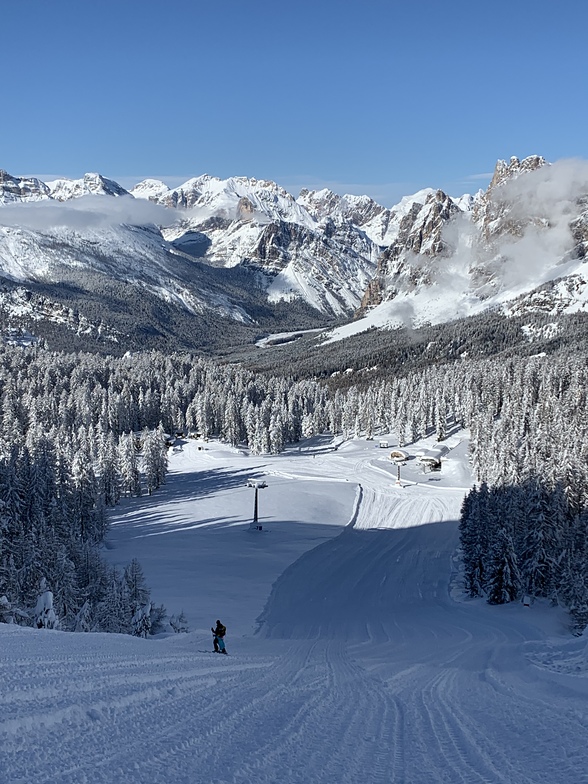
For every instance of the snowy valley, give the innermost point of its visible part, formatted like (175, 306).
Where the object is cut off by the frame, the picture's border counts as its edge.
(355, 434)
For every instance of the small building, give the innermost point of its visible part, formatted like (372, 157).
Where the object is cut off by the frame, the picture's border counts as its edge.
(431, 460)
(383, 445)
(399, 455)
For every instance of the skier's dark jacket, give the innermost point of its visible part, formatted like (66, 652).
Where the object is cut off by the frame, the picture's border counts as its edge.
(220, 630)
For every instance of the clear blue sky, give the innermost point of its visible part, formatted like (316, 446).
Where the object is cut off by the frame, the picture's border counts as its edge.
(374, 96)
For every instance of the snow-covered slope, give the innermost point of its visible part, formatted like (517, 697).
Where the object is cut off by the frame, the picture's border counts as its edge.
(369, 666)
(133, 255)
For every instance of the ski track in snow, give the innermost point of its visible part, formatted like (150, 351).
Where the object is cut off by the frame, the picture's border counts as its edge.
(364, 671)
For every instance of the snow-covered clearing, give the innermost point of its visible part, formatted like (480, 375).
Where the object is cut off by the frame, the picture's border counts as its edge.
(353, 657)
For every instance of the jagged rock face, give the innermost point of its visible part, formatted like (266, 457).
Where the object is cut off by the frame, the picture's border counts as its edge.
(245, 209)
(419, 240)
(17, 189)
(14, 189)
(319, 204)
(281, 242)
(420, 230)
(579, 229)
(257, 224)
(520, 246)
(278, 242)
(333, 268)
(184, 197)
(492, 210)
(322, 204)
(374, 295)
(504, 171)
(218, 197)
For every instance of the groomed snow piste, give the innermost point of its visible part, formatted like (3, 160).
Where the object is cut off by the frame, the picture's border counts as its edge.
(353, 656)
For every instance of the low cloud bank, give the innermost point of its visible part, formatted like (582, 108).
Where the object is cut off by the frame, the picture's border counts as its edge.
(86, 212)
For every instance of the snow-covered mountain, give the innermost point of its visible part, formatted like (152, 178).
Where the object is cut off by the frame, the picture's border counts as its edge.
(254, 225)
(211, 245)
(520, 247)
(90, 184)
(323, 259)
(21, 189)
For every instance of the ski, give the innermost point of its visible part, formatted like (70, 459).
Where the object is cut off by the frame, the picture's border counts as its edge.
(201, 651)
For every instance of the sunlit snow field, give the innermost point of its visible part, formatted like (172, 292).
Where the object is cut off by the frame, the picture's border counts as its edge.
(353, 654)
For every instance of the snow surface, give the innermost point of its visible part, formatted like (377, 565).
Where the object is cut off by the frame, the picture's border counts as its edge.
(353, 656)
(278, 338)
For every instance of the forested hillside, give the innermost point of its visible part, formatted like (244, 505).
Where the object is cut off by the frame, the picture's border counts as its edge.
(80, 431)
(379, 353)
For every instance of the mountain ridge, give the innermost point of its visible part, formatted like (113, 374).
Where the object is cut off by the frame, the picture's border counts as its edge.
(427, 259)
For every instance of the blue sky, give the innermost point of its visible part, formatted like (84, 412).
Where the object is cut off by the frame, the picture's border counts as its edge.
(377, 97)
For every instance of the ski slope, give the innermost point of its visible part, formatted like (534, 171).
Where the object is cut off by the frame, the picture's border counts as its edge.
(354, 658)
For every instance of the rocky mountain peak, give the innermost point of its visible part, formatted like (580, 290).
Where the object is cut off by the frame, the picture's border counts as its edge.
(184, 197)
(514, 168)
(150, 189)
(324, 203)
(15, 189)
(91, 184)
(492, 210)
(320, 204)
(419, 240)
(322, 248)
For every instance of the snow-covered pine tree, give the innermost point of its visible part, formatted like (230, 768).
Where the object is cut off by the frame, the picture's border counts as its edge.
(129, 465)
(503, 580)
(44, 612)
(538, 559)
(135, 580)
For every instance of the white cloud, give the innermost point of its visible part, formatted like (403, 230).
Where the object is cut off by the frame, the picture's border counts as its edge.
(484, 176)
(538, 207)
(85, 212)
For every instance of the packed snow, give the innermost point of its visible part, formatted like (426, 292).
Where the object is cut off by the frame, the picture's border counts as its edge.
(353, 654)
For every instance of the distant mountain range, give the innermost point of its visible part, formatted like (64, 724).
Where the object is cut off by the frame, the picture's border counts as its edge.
(229, 260)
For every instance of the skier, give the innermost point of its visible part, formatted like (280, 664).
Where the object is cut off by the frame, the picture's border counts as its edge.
(218, 641)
